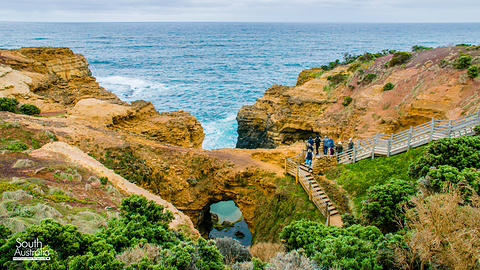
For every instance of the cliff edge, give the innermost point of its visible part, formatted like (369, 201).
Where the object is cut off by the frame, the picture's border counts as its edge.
(354, 100)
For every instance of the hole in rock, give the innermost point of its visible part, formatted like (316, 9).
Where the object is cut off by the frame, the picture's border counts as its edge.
(228, 221)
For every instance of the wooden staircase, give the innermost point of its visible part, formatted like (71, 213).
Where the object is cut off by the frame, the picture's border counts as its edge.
(315, 192)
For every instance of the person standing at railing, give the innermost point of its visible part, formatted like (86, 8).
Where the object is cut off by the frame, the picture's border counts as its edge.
(325, 145)
(317, 144)
(331, 145)
(308, 158)
(339, 148)
(350, 144)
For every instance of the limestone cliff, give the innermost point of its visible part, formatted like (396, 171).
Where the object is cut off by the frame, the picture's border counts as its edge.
(56, 79)
(426, 85)
(157, 151)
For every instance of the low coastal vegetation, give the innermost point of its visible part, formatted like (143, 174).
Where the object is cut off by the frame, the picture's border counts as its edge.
(11, 105)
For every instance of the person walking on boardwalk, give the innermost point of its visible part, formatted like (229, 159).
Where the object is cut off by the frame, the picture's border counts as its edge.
(331, 145)
(310, 141)
(317, 144)
(339, 148)
(308, 158)
(325, 145)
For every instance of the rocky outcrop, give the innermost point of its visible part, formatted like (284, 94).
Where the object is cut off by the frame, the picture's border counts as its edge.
(56, 79)
(428, 85)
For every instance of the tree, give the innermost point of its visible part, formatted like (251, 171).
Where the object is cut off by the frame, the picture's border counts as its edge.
(383, 204)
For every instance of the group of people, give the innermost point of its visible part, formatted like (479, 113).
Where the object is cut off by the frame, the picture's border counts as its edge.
(329, 148)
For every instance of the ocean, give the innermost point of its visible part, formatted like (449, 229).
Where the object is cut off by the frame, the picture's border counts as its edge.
(212, 69)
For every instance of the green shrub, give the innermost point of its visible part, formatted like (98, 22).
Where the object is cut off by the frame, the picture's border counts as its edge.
(382, 207)
(472, 72)
(16, 146)
(29, 109)
(417, 48)
(369, 77)
(337, 78)
(477, 130)
(351, 87)
(463, 61)
(347, 101)
(388, 86)
(103, 180)
(8, 104)
(399, 58)
(461, 153)
(352, 248)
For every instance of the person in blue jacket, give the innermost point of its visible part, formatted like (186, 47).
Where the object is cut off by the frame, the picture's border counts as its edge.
(325, 145)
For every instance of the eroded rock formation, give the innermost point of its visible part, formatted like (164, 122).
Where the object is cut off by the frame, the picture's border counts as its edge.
(427, 85)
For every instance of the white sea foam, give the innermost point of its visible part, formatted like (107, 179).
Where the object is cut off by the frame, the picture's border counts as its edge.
(130, 88)
(221, 133)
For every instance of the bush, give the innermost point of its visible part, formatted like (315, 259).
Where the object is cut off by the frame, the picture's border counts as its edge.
(17, 146)
(369, 77)
(354, 67)
(29, 109)
(103, 180)
(463, 61)
(472, 72)
(417, 48)
(399, 58)
(266, 251)
(347, 101)
(352, 248)
(8, 104)
(382, 207)
(232, 251)
(336, 79)
(461, 153)
(388, 86)
(477, 130)
(291, 260)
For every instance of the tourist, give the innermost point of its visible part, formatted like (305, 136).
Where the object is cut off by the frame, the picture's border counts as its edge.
(308, 158)
(339, 148)
(331, 145)
(310, 141)
(317, 144)
(350, 144)
(325, 145)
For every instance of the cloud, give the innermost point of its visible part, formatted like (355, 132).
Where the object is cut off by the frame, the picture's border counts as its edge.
(242, 10)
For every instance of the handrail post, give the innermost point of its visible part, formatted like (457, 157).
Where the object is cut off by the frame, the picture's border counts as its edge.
(298, 168)
(354, 154)
(449, 127)
(389, 144)
(431, 130)
(409, 138)
(478, 117)
(373, 145)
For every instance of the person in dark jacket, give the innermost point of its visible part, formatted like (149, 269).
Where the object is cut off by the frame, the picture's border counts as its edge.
(317, 144)
(325, 145)
(350, 144)
(308, 158)
(310, 141)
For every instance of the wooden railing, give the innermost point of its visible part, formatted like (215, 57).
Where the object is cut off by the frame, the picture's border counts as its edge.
(292, 167)
(388, 145)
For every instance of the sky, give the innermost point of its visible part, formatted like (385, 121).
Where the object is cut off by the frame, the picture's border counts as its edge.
(240, 10)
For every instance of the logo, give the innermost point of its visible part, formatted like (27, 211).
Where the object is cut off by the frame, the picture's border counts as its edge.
(30, 251)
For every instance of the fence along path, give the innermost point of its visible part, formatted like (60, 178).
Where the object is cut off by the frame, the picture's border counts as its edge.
(378, 145)
(388, 145)
(295, 167)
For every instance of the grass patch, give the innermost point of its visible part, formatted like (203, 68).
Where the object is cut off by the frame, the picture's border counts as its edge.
(358, 177)
(289, 203)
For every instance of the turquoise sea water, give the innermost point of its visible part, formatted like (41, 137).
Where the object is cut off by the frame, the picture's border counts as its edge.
(212, 69)
(227, 210)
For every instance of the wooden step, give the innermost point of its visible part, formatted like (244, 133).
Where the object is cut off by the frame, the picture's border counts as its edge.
(323, 196)
(334, 212)
(331, 208)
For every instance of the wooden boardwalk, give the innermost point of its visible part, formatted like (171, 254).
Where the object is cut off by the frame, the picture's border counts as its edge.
(378, 145)
(388, 145)
(296, 167)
